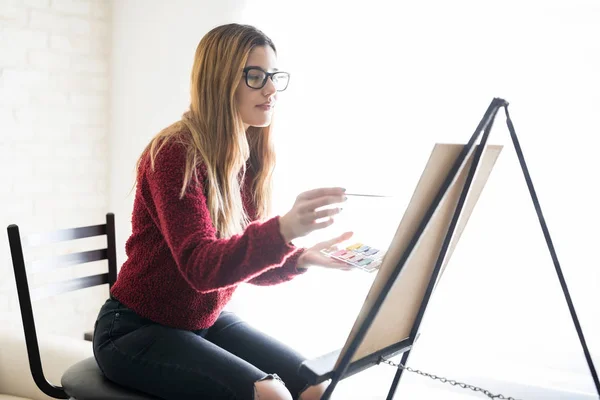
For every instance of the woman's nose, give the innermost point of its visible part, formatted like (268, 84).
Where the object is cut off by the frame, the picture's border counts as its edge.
(269, 88)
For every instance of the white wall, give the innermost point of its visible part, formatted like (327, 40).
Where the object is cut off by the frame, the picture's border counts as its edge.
(374, 85)
(54, 82)
(152, 54)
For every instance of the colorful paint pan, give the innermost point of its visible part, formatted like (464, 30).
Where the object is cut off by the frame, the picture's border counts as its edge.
(358, 255)
(354, 246)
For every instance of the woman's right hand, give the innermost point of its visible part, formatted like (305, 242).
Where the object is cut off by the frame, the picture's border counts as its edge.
(302, 218)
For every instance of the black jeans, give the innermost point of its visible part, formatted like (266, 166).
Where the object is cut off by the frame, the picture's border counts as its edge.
(221, 362)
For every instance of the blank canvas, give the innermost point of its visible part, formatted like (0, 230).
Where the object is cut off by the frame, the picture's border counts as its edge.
(396, 317)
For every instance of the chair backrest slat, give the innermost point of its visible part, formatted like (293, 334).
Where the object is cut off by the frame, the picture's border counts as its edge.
(68, 286)
(68, 259)
(26, 295)
(63, 235)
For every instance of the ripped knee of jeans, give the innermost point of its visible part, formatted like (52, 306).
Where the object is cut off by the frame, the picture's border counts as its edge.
(271, 391)
(271, 376)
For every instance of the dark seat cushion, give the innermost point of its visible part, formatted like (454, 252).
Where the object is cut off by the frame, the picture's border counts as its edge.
(85, 381)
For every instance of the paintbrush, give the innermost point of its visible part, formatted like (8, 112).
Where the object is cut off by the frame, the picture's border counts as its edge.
(364, 195)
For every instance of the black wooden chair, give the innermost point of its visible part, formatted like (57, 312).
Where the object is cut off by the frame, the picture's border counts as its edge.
(84, 380)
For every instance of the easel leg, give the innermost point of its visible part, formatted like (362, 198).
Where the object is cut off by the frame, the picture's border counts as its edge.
(542, 220)
(397, 377)
(329, 389)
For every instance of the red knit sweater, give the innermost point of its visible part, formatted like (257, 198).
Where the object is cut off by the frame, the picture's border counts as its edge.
(178, 272)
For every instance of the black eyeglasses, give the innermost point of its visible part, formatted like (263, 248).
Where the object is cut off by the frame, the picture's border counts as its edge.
(256, 78)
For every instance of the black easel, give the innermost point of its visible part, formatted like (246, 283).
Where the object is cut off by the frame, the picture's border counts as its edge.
(319, 370)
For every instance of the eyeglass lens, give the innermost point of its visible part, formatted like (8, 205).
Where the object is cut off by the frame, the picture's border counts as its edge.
(256, 79)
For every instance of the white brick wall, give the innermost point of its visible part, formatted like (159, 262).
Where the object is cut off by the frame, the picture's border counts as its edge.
(54, 81)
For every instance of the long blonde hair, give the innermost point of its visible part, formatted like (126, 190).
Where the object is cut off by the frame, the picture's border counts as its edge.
(213, 133)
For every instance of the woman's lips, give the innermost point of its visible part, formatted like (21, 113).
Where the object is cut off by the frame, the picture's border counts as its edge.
(266, 106)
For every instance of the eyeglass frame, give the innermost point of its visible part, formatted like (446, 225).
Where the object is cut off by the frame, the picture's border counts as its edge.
(267, 76)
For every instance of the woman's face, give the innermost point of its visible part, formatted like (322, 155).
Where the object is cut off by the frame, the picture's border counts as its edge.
(256, 105)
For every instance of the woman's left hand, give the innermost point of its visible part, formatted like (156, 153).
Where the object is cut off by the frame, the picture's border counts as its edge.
(313, 256)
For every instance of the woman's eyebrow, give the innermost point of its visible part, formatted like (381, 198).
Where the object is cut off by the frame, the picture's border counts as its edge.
(261, 68)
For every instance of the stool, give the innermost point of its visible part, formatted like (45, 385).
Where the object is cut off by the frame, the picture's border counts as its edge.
(85, 381)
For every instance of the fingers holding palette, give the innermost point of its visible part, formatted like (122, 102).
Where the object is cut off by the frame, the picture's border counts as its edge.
(358, 255)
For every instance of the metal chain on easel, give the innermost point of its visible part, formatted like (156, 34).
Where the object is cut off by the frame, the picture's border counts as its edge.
(446, 380)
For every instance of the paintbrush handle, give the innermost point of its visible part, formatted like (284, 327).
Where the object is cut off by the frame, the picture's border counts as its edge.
(364, 195)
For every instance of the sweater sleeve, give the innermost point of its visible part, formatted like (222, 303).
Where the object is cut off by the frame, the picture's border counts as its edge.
(287, 272)
(206, 262)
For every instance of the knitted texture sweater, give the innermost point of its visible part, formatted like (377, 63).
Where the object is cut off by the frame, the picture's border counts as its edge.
(178, 272)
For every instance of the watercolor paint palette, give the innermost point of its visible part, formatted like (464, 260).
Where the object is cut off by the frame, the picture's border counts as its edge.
(358, 255)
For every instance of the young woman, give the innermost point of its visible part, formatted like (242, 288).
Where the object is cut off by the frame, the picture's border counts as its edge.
(200, 228)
